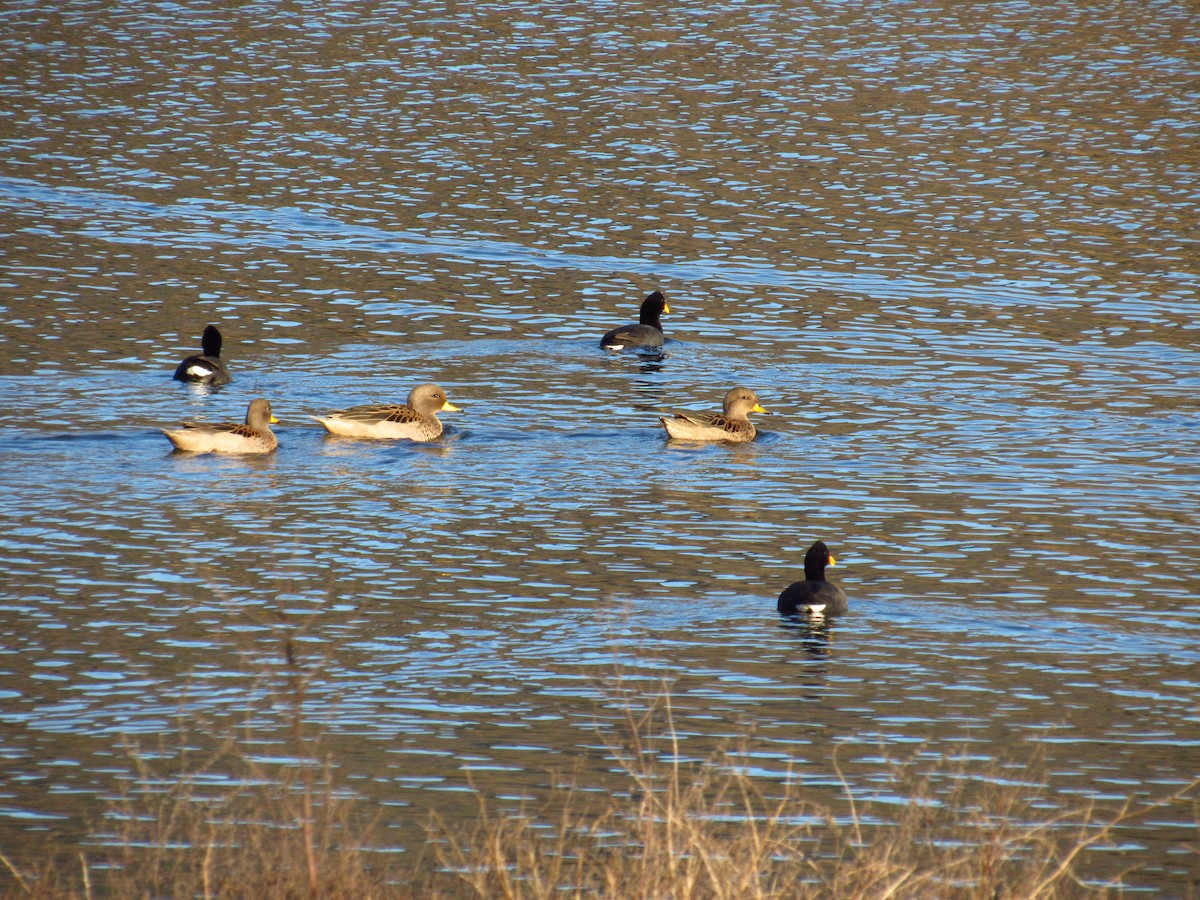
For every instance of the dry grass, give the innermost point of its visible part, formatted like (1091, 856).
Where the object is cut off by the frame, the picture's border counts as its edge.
(224, 822)
(713, 831)
(227, 824)
(190, 840)
(277, 831)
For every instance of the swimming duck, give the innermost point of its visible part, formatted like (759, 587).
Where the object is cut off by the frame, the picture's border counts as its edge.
(732, 425)
(647, 333)
(415, 420)
(814, 595)
(206, 368)
(229, 437)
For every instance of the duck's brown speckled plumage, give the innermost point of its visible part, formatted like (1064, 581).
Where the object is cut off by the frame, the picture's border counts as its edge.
(731, 425)
(415, 420)
(254, 436)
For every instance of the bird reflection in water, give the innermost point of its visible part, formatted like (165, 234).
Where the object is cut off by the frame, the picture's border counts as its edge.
(813, 630)
(650, 363)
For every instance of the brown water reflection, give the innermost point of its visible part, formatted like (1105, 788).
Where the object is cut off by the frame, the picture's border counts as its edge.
(952, 248)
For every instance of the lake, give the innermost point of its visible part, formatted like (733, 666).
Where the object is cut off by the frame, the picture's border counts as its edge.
(954, 249)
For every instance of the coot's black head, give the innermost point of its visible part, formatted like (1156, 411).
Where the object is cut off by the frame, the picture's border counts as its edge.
(652, 309)
(815, 561)
(210, 342)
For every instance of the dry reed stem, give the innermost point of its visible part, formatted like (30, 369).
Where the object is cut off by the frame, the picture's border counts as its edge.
(16, 873)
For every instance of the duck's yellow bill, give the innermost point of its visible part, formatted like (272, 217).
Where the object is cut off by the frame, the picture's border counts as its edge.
(450, 407)
(757, 408)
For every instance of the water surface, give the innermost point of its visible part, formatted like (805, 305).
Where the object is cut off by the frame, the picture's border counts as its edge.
(952, 248)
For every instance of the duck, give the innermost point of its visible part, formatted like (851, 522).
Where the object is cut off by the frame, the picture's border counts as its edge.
(254, 436)
(732, 425)
(814, 595)
(415, 420)
(647, 333)
(206, 368)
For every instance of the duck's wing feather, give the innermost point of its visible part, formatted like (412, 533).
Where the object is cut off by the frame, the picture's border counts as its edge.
(240, 429)
(717, 421)
(399, 413)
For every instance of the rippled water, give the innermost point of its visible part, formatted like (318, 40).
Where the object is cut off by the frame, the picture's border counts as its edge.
(952, 247)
